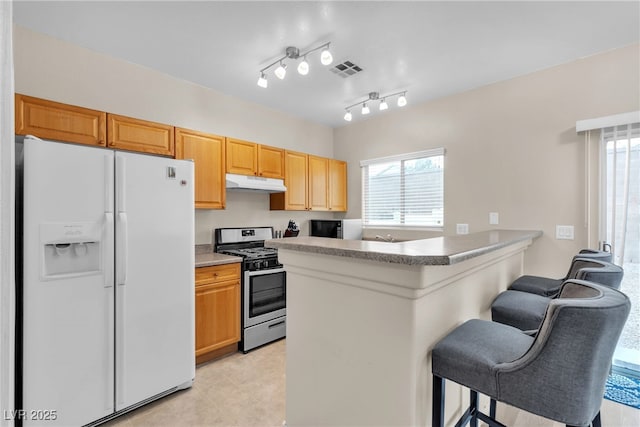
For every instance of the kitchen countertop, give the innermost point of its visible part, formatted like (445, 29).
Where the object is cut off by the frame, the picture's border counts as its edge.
(205, 257)
(446, 250)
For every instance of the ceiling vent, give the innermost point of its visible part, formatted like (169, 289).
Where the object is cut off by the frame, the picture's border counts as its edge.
(346, 69)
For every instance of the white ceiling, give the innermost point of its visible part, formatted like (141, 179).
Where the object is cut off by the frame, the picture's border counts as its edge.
(431, 49)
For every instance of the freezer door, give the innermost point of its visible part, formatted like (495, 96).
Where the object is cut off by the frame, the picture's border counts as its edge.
(154, 276)
(67, 287)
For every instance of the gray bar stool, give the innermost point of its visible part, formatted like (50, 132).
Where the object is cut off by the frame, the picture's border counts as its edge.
(525, 311)
(547, 286)
(559, 374)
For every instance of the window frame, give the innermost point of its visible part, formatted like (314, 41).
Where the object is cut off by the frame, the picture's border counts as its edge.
(436, 152)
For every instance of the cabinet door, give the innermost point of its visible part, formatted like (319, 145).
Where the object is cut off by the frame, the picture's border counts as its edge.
(217, 316)
(217, 274)
(270, 162)
(242, 157)
(318, 183)
(337, 185)
(60, 122)
(127, 133)
(296, 181)
(207, 153)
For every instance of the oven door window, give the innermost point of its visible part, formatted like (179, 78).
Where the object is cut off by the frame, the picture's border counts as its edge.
(267, 293)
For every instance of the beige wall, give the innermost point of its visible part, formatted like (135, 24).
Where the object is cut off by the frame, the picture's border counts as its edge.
(52, 69)
(511, 148)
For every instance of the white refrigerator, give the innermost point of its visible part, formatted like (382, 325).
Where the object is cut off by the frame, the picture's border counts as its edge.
(106, 281)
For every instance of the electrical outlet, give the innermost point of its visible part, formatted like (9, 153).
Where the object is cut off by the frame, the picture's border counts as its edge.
(462, 228)
(564, 232)
(494, 218)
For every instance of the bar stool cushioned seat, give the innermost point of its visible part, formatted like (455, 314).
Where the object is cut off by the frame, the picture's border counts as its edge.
(549, 287)
(525, 310)
(559, 374)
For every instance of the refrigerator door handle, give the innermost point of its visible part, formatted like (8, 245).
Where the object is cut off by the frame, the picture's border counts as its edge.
(121, 241)
(121, 339)
(108, 250)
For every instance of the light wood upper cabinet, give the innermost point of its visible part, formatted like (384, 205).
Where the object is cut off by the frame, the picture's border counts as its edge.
(127, 133)
(207, 152)
(242, 157)
(217, 306)
(318, 183)
(270, 162)
(337, 185)
(60, 122)
(313, 183)
(295, 179)
(249, 158)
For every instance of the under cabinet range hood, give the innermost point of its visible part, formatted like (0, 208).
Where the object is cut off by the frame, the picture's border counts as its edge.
(255, 183)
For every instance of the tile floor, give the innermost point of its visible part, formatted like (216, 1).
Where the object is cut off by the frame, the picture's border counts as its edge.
(249, 390)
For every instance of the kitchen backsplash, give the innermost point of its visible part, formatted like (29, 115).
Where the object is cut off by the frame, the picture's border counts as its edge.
(251, 209)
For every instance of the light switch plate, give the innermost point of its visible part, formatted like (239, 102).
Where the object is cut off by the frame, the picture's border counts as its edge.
(564, 232)
(462, 228)
(494, 219)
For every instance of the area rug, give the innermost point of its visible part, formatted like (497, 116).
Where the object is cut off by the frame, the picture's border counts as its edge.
(625, 390)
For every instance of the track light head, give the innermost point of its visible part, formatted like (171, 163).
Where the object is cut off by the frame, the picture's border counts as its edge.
(262, 81)
(281, 71)
(348, 116)
(383, 105)
(325, 57)
(303, 67)
(365, 109)
(402, 100)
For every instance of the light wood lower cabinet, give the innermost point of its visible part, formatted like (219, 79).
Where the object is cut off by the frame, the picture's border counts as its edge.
(59, 122)
(217, 311)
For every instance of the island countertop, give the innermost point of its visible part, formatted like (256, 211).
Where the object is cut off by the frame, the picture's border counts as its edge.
(446, 250)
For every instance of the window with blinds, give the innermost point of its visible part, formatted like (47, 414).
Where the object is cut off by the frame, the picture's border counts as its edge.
(404, 191)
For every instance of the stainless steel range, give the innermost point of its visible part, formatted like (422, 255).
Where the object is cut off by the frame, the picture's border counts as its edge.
(264, 284)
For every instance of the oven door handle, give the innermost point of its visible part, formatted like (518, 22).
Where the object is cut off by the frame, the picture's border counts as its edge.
(264, 272)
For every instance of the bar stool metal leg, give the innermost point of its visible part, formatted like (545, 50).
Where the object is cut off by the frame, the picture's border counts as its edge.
(437, 403)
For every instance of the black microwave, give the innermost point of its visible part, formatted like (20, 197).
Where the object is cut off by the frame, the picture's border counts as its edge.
(337, 228)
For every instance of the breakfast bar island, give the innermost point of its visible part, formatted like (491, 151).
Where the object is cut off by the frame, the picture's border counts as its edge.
(362, 317)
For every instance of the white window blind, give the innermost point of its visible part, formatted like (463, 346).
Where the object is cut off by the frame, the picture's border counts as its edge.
(621, 190)
(404, 191)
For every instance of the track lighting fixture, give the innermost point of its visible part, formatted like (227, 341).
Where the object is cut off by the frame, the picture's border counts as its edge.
(303, 67)
(375, 96)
